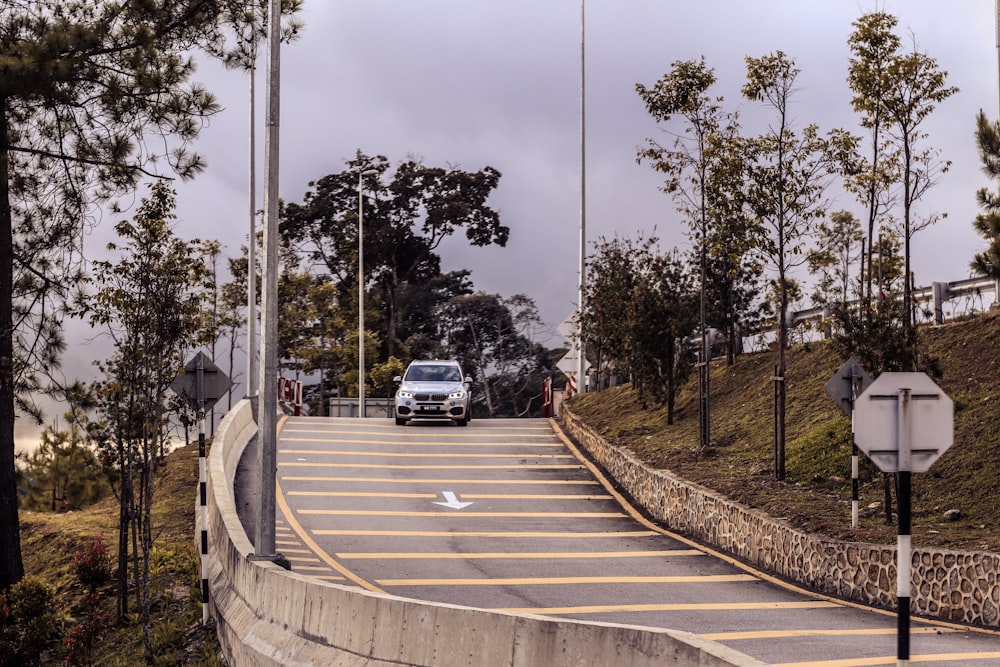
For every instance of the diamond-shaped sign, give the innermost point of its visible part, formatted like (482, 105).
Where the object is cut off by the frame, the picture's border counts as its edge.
(568, 364)
(214, 382)
(847, 384)
(904, 422)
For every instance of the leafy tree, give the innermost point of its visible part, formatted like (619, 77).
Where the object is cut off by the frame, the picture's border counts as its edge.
(839, 240)
(232, 314)
(641, 307)
(490, 336)
(406, 217)
(418, 326)
(313, 334)
(787, 173)
(735, 267)
(62, 473)
(662, 312)
(689, 165)
(612, 275)
(149, 302)
(93, 97)
(873, 46)
(987, 223)
(918, 87)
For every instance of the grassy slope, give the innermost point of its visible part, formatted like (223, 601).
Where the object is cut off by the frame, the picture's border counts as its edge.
(816, 493)
(49, 540)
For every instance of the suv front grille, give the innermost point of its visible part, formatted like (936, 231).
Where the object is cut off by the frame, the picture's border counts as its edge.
(430, 397)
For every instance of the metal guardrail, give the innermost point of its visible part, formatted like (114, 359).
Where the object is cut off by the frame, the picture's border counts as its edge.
(936, 293)
(348, 407)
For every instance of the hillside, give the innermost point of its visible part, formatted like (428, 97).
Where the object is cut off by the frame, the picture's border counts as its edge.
(49, 540)
(816, 494)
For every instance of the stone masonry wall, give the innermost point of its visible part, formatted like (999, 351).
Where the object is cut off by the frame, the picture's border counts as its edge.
(957, 586)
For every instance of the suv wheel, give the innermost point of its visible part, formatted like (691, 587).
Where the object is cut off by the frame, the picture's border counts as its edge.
(400, 422)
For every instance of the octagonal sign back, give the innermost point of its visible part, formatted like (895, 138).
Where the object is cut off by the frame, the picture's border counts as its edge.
(904, 421)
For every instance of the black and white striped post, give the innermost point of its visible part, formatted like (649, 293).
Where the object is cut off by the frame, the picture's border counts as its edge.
(855, 462)
(845, 387)
(202, 485)
(904, 423)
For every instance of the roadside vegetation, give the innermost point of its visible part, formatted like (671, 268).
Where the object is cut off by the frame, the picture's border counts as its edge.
(64, 565)
(816, 492)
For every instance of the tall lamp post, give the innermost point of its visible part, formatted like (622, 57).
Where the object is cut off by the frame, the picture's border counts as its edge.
(361, 292)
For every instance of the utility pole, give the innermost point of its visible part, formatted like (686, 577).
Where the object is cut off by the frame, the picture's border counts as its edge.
(580, 363)
(267, 433)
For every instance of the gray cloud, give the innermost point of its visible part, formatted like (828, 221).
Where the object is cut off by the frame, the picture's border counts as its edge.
(497, 83)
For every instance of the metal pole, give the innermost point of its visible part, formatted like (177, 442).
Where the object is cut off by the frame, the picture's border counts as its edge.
(361, 293)
(580, 364)
(267, 434)
(252, 379)
(903, 565)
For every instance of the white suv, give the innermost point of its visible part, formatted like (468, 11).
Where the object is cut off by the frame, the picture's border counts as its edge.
(435, 390)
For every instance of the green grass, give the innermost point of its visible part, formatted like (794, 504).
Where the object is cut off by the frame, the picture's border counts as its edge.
(48, 541)
(816, 492)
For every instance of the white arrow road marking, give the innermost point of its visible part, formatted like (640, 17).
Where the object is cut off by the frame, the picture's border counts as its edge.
(451, 500)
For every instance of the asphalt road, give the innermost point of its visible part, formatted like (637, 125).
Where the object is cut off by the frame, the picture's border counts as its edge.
(508, 515)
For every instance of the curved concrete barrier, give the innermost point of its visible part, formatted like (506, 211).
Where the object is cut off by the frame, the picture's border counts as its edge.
(268, 616)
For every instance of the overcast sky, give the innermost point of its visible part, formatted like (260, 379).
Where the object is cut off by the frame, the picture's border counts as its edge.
(497, 82)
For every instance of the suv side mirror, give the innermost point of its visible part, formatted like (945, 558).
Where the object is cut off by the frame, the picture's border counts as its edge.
(467, 380)
(397, 379)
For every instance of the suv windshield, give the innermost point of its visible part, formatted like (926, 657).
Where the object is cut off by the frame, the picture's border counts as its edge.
(428, 373)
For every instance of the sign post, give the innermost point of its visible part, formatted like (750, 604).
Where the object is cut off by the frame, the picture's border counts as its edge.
(202, 383)
(844, 387)
(904, 423)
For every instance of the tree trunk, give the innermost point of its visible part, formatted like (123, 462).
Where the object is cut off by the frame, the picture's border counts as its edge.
(11, 565)
(123, 527)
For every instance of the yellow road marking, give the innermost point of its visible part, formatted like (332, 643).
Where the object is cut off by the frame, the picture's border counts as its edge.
(887, 660)
(312, 544)
(469, 515)
(694, 606)
(635, 514)
(503, 535)
(303, 559)
(553, 466)
(561, 581)
(391, 480)
(477, 496)
(532, 496)
(775, 634)
(518, 555)
(411, 438)
(426, 443)
(362, 494)
(423, 455)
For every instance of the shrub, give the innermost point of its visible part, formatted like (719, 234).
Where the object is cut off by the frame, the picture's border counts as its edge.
(80, 643)
(92, 565)
(28, 622)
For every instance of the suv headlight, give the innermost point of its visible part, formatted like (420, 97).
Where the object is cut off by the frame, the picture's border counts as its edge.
(404, 394)
(457, 395)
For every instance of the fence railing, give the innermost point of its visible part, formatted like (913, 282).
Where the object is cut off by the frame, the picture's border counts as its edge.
(936, 294)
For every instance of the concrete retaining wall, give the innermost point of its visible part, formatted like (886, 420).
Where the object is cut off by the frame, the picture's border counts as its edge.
(957, 586)
(267, 616)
